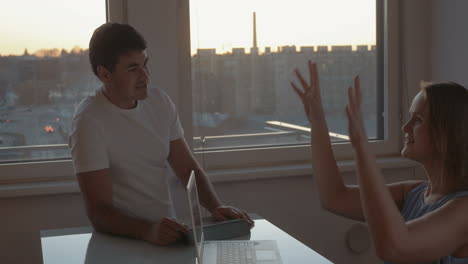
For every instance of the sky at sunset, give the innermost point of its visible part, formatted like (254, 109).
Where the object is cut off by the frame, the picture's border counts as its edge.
(48, 24)
(220, 24)
(226, 24)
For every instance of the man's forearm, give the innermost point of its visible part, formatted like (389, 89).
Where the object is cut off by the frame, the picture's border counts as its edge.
(208, 197)
(109, 219)
(183, 162)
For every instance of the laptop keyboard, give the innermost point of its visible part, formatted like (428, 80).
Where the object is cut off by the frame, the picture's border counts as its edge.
(235, 253)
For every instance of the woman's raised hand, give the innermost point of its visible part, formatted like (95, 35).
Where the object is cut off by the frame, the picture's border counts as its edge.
(357, 131)
(310, 93)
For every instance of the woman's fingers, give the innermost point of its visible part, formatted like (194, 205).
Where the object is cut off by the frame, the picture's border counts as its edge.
(356, 127)
(348, 114)
(314, 79)
(352, 108)
(297, 90)
(354, 95)
(351, 98)
(308, 92)
(302, 96)
(313, 86)
(303, 82)
(357, 90)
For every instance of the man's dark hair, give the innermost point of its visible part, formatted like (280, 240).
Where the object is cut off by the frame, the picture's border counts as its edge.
(110, 41)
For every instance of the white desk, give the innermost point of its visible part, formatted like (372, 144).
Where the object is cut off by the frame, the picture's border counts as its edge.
(82, 245)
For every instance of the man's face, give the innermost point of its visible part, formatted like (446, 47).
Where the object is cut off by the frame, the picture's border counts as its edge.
(129, 81)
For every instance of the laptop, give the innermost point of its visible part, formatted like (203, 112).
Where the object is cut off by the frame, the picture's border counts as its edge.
(226, 251)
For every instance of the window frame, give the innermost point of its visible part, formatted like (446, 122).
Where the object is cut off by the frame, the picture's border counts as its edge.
(387, 31)
(118, 11)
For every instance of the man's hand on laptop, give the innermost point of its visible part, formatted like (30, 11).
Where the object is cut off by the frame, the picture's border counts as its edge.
(222, 213)
(166, 231)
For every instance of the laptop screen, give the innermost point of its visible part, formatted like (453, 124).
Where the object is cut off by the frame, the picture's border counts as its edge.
(195, 213)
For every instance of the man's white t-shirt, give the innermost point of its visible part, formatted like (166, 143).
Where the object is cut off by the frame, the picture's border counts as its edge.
(134, 145)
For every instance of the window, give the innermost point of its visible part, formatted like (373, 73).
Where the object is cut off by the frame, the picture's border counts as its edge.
(44, 74)
(271, 138)
(243, 57)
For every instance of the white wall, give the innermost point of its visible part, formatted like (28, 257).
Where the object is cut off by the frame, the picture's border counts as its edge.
(450, 41)
(290, 203)
(416, 59)
(23, 217)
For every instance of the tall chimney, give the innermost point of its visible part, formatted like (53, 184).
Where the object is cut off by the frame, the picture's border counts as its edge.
(254, 31)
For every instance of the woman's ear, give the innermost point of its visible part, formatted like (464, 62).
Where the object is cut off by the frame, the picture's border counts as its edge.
(103, 74)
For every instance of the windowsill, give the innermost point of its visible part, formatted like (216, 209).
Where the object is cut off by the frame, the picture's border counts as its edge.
(41, 187)
(38, 188)
(298, 170)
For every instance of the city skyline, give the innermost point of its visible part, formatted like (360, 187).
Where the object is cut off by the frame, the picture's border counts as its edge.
(55, 52)
(244, 96)
(308, 23)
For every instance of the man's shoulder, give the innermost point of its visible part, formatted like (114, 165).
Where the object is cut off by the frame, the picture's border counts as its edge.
(85, 105)
(91, 104)
(89, 108)
(159, 98)
(157, 93)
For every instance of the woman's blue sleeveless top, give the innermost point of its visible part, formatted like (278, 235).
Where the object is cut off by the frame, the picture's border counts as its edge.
(415, 207)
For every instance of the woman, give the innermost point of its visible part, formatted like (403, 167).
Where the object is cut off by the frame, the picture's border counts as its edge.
(413, 221)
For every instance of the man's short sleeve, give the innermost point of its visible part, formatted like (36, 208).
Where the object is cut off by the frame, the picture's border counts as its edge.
(176, 129)
(88, 145)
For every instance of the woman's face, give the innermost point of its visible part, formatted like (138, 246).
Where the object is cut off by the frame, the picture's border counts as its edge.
(418, 144)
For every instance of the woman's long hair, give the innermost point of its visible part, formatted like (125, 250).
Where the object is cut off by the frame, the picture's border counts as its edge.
(448, 117)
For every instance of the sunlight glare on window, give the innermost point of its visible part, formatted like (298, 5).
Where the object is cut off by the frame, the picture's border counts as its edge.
(243, 56)
(44, 74)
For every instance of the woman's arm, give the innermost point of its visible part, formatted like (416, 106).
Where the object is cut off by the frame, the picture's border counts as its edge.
(334, 195)
(428, 238)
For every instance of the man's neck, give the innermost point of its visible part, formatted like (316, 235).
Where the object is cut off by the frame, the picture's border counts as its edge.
(119, 102)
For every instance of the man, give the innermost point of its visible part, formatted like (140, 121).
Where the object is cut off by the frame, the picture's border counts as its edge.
(123, 140)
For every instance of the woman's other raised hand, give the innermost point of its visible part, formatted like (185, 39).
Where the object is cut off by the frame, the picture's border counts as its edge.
(357, 131)
(310, 93)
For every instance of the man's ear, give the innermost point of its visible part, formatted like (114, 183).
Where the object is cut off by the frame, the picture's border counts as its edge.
(103, 74)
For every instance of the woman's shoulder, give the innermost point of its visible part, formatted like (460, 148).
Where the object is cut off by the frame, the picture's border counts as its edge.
(413, 187)
(459, 201)
(459, 193)
(453, 212)
(400, 190)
